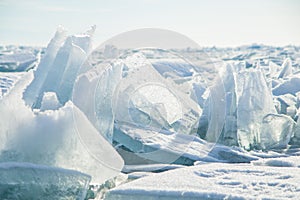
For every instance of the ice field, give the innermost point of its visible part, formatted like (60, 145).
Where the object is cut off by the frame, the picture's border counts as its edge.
(79, 122)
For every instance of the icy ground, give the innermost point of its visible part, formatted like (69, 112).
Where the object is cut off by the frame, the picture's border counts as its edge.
(149, 125)
(214, 181)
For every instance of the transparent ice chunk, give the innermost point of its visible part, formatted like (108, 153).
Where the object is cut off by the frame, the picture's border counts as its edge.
(30, 181)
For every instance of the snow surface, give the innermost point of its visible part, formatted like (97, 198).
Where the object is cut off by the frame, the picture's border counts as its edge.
(214, 181)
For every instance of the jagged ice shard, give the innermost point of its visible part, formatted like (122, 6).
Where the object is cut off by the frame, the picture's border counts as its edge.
(32, 92)
(250, 118)
(58, 70)
(255, 101)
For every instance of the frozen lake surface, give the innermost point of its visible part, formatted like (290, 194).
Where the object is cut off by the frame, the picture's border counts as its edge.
(205, 123)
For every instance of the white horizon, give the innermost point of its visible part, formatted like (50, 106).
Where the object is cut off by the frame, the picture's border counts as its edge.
(209, 23)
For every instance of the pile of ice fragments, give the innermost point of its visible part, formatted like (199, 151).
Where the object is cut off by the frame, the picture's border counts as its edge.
(93, 111)
(39, 125)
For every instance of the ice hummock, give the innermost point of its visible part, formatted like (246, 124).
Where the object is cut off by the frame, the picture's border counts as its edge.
(131, 90)
(61, 138)
(30, 181)
(156, 120)
(55, 133)
(250, 118)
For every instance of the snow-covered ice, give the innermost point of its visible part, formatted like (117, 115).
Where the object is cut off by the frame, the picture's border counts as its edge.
(214, 181)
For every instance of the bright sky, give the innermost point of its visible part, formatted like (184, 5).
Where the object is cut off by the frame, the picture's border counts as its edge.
(210, 22)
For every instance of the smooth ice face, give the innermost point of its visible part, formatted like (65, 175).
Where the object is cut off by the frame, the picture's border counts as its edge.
(29, 181)
(93, 94)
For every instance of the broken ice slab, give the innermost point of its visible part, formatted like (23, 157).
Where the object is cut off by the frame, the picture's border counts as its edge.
(219, 120)
(296, 137)
(288, 86)
(32, 91)
(17, 61)
(286, 104)
(145, 97)
(146, 146)
(29, 181)
(255, 101)
(94, 93)
(240, 111)
(286, 69)
(276, 131)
